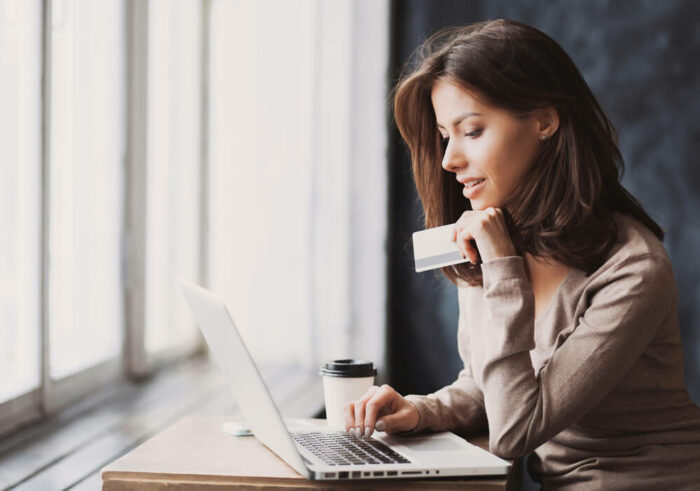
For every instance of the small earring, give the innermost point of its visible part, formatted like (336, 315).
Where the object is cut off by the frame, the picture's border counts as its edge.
(543, 137)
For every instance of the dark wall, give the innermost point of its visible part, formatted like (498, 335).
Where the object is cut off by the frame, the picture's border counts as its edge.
(640, 59)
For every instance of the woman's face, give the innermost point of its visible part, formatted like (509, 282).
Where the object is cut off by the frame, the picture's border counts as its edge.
(485, 143)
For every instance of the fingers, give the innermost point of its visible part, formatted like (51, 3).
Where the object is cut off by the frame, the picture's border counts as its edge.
(381, 408)
(473, 223)
(355, 413)
(349, 411)
(463, 237)
(465, 242)
(380, 404)
(389, 422)
(359, 419)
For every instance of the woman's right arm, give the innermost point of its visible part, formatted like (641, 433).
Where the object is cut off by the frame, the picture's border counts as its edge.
(457, 407)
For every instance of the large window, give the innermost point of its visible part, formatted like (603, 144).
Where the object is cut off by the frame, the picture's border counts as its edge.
(70, 188)
(238, 144)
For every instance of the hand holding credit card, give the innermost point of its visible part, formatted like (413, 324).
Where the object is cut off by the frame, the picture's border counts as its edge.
(433, 248)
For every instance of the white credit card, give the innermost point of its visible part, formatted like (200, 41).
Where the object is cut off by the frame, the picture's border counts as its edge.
(433, 248)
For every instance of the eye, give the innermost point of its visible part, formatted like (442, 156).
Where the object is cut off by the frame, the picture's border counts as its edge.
(444, 141)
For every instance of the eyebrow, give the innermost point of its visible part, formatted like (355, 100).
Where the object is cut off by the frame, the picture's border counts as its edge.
(460, 118)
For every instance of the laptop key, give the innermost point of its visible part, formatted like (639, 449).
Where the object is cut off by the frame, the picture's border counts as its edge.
(341, 449)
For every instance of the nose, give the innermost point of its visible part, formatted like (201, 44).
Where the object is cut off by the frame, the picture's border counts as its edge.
(453, 158)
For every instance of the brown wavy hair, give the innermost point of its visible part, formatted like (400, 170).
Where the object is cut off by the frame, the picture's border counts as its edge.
(563, 209)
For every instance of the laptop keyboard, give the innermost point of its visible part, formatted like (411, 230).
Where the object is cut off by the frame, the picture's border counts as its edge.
(339, 448)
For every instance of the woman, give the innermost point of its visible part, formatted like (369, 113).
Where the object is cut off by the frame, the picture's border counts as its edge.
(568, 326)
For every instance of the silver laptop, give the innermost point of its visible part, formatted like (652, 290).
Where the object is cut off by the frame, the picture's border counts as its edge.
(321, 453)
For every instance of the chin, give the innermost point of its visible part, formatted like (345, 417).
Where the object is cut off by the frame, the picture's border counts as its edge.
(479, 204)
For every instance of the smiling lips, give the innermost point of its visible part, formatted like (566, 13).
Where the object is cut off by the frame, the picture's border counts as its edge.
(473, 182)
(469, 180)
(472, 186)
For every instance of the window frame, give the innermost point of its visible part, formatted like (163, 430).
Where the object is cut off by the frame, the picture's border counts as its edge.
(27, 408)
(59, 394)
(139, 363)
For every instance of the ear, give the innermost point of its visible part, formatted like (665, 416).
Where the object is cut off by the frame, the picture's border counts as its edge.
(547, 121)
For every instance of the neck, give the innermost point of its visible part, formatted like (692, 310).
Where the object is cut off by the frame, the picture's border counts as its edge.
(539, 268)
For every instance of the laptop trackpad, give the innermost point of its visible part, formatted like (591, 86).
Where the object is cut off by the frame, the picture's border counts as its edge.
(423, 444)
(431, 444)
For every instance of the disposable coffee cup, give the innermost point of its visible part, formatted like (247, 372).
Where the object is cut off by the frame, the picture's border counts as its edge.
(344, 381)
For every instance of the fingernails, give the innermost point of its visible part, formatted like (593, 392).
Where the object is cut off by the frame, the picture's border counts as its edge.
(366, 431)
(358, 432)
(380, 426)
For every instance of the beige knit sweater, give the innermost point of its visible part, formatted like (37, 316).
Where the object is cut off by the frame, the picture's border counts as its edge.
(594, 387)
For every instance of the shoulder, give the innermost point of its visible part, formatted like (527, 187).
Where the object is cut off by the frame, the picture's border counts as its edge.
(634, 239)
(638, 260)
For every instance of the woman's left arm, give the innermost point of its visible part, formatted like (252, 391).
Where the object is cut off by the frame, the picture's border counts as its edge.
(524, 409)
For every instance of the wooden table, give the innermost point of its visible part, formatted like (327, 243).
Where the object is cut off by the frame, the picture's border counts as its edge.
(195, 453)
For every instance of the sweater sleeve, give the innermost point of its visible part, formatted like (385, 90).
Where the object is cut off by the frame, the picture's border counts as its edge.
(524, 409)
(458, 407)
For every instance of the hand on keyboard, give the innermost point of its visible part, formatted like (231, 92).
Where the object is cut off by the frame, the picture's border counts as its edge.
(382, 408)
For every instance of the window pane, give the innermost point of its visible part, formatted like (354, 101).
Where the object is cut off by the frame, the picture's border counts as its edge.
(173, 197)
(20, 195)
(85, 201)
(261, 127)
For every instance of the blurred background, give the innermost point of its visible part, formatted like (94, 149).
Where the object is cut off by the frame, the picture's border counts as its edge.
(249, 146)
